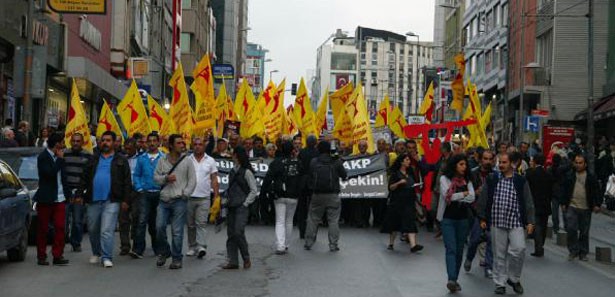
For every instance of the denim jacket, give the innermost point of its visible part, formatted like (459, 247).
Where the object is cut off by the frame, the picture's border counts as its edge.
(143, 176)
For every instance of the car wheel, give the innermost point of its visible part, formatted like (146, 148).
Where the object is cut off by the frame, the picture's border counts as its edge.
(18, 253)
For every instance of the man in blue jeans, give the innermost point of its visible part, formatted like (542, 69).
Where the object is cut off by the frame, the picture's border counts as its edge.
(177, 178)
(149, 195)
(109, 189)
(76, 165)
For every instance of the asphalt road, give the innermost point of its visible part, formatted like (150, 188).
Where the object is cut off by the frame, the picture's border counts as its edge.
(363, 267)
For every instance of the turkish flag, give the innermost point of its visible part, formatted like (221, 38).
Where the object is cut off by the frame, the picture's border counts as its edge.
(341, 80)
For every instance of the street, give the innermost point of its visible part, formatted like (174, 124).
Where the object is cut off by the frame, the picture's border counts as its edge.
(363, 267)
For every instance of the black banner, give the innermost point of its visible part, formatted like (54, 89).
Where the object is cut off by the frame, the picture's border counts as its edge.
(367, 176)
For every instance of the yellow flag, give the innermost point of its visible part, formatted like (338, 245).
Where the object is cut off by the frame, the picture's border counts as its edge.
(107, 122)
(397, 122)
(254, 119)
(77, 121)
(288, 125)
(157, 116)
(384, 111)
(357, 112)
(180, 112)
(304, 114)
(339, 99)
(486, 118)
(321, 113)
(132, 112)
(203, 89)
(273, 111)
(428, 104)
(342, 129)
(457, 85)
(222, 110)
(244, 101)
(474, 100)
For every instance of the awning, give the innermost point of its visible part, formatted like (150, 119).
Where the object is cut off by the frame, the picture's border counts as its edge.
(603, 109)
(84, 68)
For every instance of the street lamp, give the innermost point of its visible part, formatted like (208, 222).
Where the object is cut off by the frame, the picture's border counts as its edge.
(416, 78)
(272, 72)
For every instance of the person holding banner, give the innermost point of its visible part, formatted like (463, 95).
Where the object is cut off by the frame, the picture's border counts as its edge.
(241, 192)
(401, 211)
(456, 197)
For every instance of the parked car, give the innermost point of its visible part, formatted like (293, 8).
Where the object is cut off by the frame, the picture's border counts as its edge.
(23, 162)
(15, 214)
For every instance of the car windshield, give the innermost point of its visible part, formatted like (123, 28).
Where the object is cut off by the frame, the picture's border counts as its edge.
(27, 169)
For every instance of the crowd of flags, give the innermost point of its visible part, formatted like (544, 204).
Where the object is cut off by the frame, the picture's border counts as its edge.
(264, 116)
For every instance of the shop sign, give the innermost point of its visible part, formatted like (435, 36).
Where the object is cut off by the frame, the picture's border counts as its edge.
(78, 6)
(90, 34)
(40, 33)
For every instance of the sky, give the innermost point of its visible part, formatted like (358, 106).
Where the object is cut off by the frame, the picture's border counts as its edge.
(292, 30)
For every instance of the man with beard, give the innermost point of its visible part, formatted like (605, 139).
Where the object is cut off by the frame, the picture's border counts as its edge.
(108, 190)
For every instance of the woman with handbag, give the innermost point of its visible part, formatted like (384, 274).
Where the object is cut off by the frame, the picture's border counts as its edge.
(401, 211)
(282, 185)
(240, 194)
(456, 197)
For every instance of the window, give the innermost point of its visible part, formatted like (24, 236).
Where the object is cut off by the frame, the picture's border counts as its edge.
(374, 48)
(488, 59)
(489, 21)
(343, 61)
(186, 4)
(392, 46)
(362, 56)
(184, 42)
(8, 180)
(504, 16)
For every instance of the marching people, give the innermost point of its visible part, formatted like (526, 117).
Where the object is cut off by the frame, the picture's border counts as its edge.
(128, 218)
(177, 179)
(282, 185)
(324, 175)
(108, 190)
(506, 205)
(541, 185)
(456, 196)
(77, 163)
(401, 212)
(50, 200)
(305, 156)
(241, 192)
(267, 206)
(479, 238)
(581, 196)
(148, 196)
(200, 200)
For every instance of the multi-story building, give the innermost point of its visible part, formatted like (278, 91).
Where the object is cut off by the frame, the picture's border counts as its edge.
(485, 43)
(255, 67)
(198, 32)
(604, 110)
(453, 34)
(383, 62)
(231, 37)
(440, 28)
(554, 63)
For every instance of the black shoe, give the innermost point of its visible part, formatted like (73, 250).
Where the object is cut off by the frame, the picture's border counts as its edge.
(451, 286)
(583, 258)
(516, 287)
(416, 248)
(42, 262)
(390, 247)
(77, 249)
(247, 264)
(124, 252)
(176, 264)
(334, 248)
(500, 290)
(280, 253)
(135, 255)
(230, 266)
(201, 254)
(467, 265)
(60, 261)
(458, 286)
(307, 247)
(162, 260)
(537, 254)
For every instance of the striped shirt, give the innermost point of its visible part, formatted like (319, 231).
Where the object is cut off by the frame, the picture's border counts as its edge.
(76, 166)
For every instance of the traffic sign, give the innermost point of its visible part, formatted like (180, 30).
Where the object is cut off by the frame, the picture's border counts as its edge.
(531, 123)
(223, 71)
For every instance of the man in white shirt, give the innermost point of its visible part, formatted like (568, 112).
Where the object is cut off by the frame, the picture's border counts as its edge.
(200, 200)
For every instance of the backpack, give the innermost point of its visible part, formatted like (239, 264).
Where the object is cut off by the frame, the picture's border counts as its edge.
(324, 177)
(238, 188)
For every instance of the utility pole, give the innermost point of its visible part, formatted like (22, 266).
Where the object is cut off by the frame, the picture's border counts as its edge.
(521, 75)
(26, 102)
(590, 85)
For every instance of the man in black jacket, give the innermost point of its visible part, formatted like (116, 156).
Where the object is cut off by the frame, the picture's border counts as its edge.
(541, 185)
(581, 196)
(50, 200)
(109, 189)
(305, 156)
(324, 182)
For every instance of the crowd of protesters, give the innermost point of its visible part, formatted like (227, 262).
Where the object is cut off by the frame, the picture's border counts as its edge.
(483, 202)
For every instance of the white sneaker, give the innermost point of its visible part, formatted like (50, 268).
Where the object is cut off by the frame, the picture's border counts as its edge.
(107, 263)
(191, 253)
(94, 260)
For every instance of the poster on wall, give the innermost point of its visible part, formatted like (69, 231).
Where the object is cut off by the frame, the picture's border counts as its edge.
(78, 6)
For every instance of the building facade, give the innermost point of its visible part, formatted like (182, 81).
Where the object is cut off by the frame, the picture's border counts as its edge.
(255, 67)
(197, 37)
